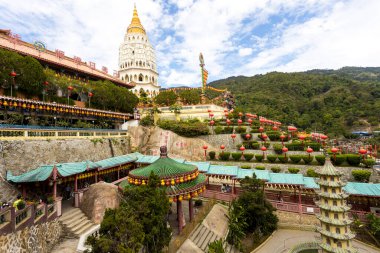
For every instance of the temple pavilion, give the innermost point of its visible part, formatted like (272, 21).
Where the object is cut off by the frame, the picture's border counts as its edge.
(181, 181)
(335, 224)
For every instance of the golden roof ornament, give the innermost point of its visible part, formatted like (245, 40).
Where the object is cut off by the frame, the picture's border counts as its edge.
(135, 26)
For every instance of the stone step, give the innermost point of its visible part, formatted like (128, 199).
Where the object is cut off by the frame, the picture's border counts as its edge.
(70, 214)
(85, 228)
(200, 235)
(203, 238)
(81, 225)
(195, 232)
(207, 240)
(213, 239)
(74, 222)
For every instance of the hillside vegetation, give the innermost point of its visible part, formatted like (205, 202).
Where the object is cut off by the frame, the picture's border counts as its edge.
(333, 101)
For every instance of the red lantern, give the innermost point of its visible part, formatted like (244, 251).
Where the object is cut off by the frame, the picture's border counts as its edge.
(275, 128)
(13, 73)
(309, 150)
(363, 152)
(250, 121)
(284, 150)
(240, 114)
(70, 88)
(242, 148)
(222, 147)
(209, 111)
(90, 94)
(247, 136)
(46, 83)
(225, 110)
(261, 129)
(263, 148)
(239, 121)
(228, 122)
(226, 114)
(205, 147)
(334, 150)
(301, 137)
(211, 115)
(212, 123)
(264, 136)
(233, 136)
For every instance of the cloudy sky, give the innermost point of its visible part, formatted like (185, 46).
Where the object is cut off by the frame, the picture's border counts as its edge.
(237, 37)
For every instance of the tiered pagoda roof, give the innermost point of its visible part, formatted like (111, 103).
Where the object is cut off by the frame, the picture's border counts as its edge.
(335, 224)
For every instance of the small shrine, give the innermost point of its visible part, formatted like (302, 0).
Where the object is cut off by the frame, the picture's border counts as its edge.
(182, 181)
(335, 223)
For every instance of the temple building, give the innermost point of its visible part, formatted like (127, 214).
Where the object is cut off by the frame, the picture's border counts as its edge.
(137, 59)
(335, 224)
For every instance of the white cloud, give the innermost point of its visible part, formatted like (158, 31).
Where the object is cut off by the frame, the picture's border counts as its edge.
(245, 51)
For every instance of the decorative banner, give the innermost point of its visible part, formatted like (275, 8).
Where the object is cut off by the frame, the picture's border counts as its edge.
(105, 69)
(77, 60)
(59, 53)
(92, 64)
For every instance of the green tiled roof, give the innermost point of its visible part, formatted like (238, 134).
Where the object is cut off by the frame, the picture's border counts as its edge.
(362, 189)
(328, 169)
(336, 222)
(202, 166)
(43, 172)
(310, 183)
(283, 178)
(223, 170)
(147, 159)
(116, 161)
(164, 167)
(260, 174)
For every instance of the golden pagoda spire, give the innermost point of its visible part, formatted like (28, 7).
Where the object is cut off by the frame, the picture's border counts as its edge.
(135, 26)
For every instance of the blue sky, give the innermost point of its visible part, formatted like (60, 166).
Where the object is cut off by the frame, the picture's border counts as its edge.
(239, 37)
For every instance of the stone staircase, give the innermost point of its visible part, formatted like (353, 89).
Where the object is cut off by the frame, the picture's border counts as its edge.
(203, 236)
(76, 221)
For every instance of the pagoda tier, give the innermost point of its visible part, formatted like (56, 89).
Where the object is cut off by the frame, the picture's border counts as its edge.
(335, 224)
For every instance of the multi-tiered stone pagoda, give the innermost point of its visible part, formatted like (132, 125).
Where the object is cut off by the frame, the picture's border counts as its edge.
(335, 224)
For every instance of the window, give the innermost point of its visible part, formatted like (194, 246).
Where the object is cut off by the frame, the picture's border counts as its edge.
(339, 244)
(336, 216)
(326, 214)
(328, 241)
(333, 190)
(335, 203)
(337, 230)
(141, 77)
(327, 227)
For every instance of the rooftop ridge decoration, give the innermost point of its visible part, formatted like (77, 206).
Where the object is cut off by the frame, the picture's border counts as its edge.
(135, 26)
(335, 224)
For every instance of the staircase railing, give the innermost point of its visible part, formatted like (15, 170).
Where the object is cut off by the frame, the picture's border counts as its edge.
(83, 238)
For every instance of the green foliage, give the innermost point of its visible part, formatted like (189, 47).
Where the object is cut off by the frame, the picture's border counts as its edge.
(216, 246)
(353, 160)
(272, 158)
(311, 173)
(236, 156)
(250, 144)
(275, 169)
(374, 226)
(21, 205)
(198, 202)
(244, 137)
(246, 167)
(338, 160)
(293, 170)
(260, 167)
(241, 130)
(166, 98)
(211, 154)
(218, 130)
(266, 144)
(248, 157)
(314, 145)
(321, 159)
(224, 156)
(223, 130)
(147, 121)
(184, 128)
(259, 158)
(295, 146)
(307, 158)
(369, 162)
(191, 97)
(175, 108)
(277, 148)
(283, 158)
(295, 158)
(361, 175)
(273, 135)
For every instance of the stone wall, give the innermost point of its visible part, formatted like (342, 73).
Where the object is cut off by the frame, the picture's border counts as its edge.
(20, 156)
(35, 239)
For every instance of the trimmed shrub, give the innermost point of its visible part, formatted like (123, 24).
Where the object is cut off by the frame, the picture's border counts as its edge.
(21, 205)
(218, 130)
(353, 160)
(211, 154)
(311, 173)
(224, 156)
(314, 145)
(295, 146)
(228, 130)
(321, 159)
(295, 158)
(361, 175)
(147, 121)
(198, 202)
(260, 167)
(255, 130)
(273, 135)
(283, 159)
(277, 149)
(248, 157)
(259, 158)
(266, 144)
(293, 170)
(275, 169)
(241, 130)
(246, 167)
(244, 136)
(339, 159)
(184, 128)
(272, 158)
(307, 159)
(236, 156)
(369, 163)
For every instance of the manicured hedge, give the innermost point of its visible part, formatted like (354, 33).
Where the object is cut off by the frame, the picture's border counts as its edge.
(273, 135)
(369, 162)
(338, 159)
(241, 130)
(311, 173)
(225, 156)
(260, 167)
(295, 146)
(184, 128)
(295, 158)
(321, 159)
(223, 130)
(246, 167)
(275, 169)
(353, 160)
(307, 158)
(266, 144)
(361, 175)
(259, 158)
(236, 156)
(314, 145)
(249, 145)
(293, 170)
(283, 158)
(277, 148)
(272, 158)
(211, 154)
(248, 156)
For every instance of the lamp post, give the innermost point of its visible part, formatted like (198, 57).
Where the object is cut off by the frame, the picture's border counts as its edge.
(282, 137)
(363, 152)
(263, 148)
(90, 94)
(239, 122)
(334, 150)
(301, 137)
(69, 89)
(247, 137)
(250, 122)
(205, 147)
(233, 136)
(284, 150)
(222, 147)
(13, 75)
(228, 122)
(261, 130)
(309, 150)
(242, 148)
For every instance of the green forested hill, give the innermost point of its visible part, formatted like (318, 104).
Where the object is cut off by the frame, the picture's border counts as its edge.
(334, 101)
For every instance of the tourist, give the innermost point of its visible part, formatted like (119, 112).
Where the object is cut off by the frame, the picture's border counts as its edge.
(18, 201)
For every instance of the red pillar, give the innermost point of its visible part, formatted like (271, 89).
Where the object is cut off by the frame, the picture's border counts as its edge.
(76, 183)
(55, 183)
(191, 211)
(233, 187)
(300, 200)
(180, 216)
(96, 177)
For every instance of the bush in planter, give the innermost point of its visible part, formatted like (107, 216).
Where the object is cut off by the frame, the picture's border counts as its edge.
(307, 159)
(246, 167)
(275, 169)
(277, 149)
(295, 158)
(241, 130)
(255, 130)
(248, 157)
(273, 135)
(198, 202)
(353, 160)
(259, 158)
(255, 145)
(21, 205)
(218, 130)
(361, 175)
(260, 167)
(295, 146)
(211, 154)
(272, 158)
(311, 173)
(338, 159)
(369, 163)
(236, 156)
(321, 159)
(314, 145)
(147, 121)
(293, 170)
(266, 144)
(228, 130)
(224, 156)
(283, 158)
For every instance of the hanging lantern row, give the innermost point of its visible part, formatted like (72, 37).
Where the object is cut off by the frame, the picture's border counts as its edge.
(219, 176)
(168, 181)
(187, 196)
(57, 108)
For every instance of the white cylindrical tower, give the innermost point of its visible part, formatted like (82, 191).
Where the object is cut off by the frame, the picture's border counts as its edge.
(137, 59)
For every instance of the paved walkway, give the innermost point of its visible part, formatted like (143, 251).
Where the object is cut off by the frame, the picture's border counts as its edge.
(284, 239)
